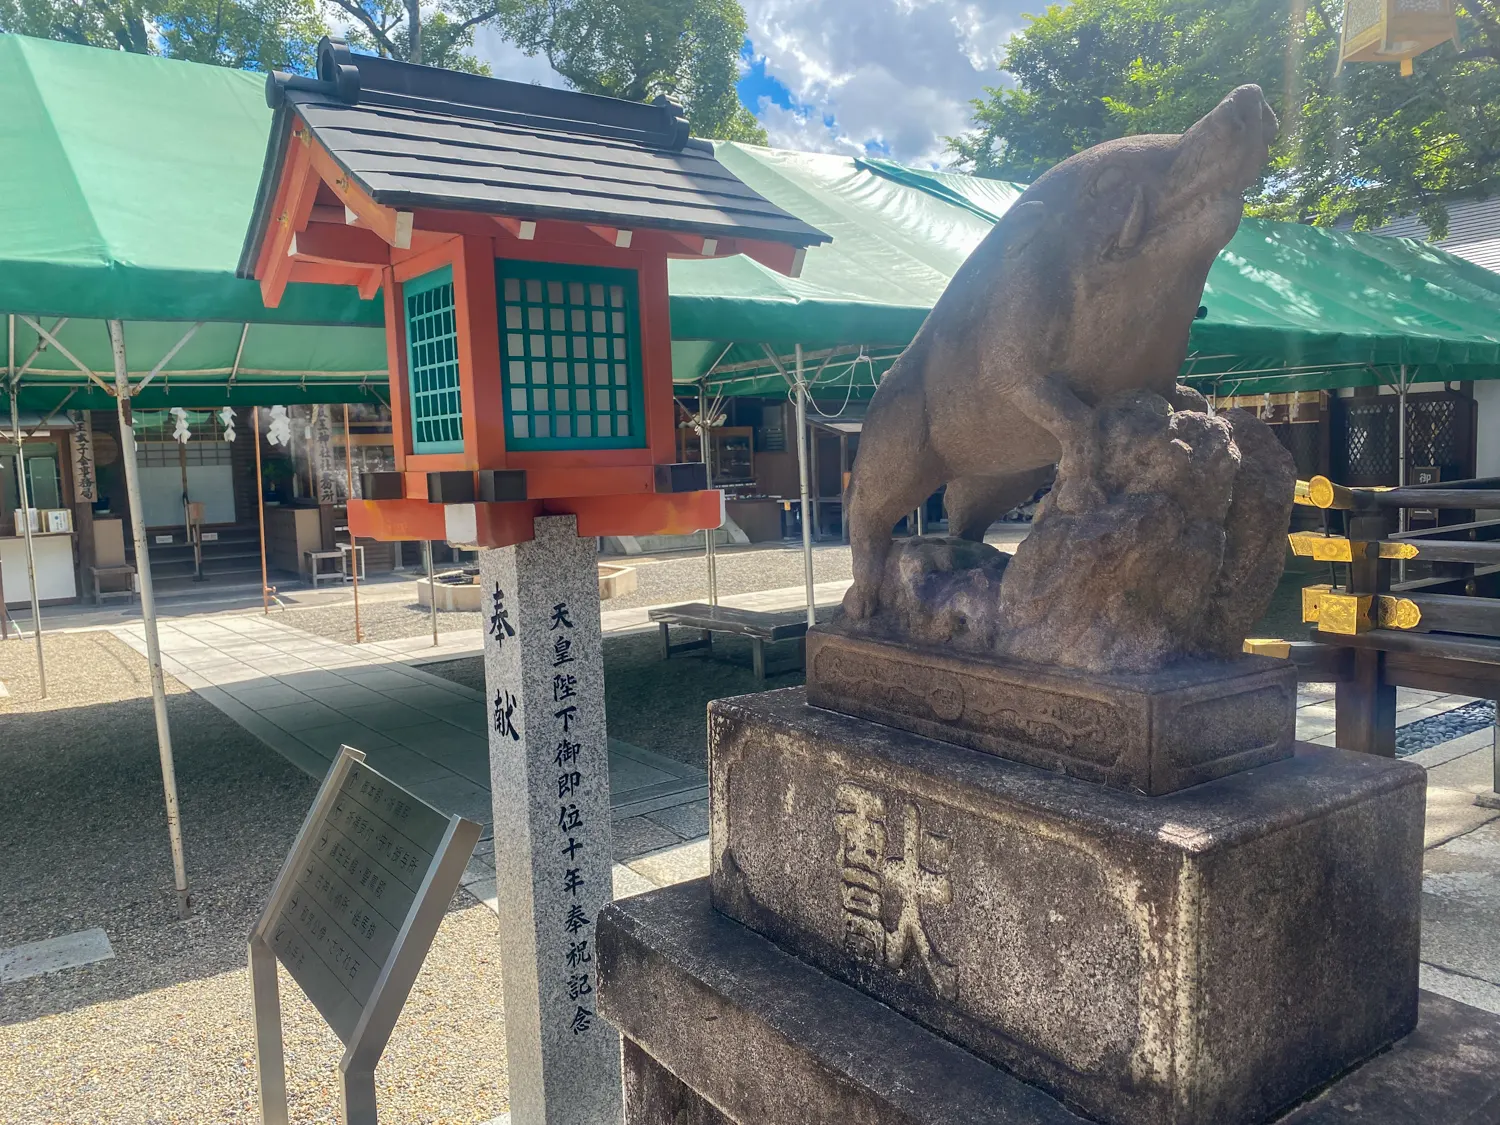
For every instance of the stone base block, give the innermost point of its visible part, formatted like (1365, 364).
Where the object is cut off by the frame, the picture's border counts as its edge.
(722, 1027)
(1203, 958)
(1149, 734)
(765, 1039)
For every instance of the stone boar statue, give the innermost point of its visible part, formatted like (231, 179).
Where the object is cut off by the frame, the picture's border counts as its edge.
(1085, 288)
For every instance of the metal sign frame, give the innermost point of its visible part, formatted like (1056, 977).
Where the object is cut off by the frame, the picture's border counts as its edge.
(367, 1041)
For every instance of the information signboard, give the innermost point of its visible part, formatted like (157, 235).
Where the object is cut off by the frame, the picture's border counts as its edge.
(351, 916)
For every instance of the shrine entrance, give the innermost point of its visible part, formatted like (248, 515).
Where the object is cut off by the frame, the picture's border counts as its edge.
(205, 467)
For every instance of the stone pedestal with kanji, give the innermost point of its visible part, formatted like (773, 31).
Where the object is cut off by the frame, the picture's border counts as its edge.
(898, 928)
(549, 771)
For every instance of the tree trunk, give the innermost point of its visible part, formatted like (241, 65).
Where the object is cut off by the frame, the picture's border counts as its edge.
(414, 31)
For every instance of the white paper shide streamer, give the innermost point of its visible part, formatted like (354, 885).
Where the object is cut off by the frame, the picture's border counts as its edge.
(279, 432)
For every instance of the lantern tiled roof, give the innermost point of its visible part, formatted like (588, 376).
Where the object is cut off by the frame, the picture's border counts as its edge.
(420, 137)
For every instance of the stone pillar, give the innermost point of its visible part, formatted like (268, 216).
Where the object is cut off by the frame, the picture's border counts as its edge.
(549, 771)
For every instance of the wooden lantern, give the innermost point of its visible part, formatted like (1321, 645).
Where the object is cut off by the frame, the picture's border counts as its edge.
(1386, 31)
(520, 236)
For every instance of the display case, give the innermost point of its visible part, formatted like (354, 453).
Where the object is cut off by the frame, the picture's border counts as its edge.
(733, 453)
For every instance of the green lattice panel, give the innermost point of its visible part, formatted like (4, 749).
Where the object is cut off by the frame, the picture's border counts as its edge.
(570, 353)
(437, 420)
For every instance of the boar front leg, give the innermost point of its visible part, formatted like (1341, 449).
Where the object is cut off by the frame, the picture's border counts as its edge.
(1052, 405)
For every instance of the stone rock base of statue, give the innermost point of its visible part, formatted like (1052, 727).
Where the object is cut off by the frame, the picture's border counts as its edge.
(723, 1027)
(902, 929)
(1154, 733)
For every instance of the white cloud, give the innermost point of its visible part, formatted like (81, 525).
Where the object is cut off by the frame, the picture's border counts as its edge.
(508, 61)
(895, 72)
(787, 128)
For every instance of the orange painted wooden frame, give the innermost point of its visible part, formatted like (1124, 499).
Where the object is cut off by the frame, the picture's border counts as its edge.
(294, 202)
(407, 265)
(575, 244)
(384, 247)
(502, 525)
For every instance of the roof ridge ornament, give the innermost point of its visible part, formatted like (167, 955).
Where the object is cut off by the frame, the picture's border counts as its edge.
(338, 76)
(677, 124)
(337, 67)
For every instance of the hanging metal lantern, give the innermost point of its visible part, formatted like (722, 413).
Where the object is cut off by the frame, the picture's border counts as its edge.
(1385, 31)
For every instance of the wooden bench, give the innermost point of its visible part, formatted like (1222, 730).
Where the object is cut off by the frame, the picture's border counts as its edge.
(762, 628)
(113, 572)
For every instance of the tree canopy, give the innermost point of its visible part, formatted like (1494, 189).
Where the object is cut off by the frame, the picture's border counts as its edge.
(637, 49)
(1366, 145)
(244, 34)
(442, 35)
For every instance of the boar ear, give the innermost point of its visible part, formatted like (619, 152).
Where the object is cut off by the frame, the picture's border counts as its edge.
(1022, 223)
(1135, 221)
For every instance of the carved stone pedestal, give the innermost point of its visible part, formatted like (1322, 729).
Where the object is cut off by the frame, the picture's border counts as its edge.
(902, 929)
(1148, 734)
(1203, 957)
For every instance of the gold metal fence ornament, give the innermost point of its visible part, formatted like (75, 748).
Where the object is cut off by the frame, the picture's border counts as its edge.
(1335, 548)
(1335, 611)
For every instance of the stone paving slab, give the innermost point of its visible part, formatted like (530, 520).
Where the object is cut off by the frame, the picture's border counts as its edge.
(1460, 903)
(306, 696)
(1458, 986)
(1451, 789)
(52, 955)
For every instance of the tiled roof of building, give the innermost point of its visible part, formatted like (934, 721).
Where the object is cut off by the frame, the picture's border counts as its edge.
(1473, 231)
(416, 136)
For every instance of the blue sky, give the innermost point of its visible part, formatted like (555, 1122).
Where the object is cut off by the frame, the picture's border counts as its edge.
(756, 84)
(893, 77)
(884, 77)
(762, 91)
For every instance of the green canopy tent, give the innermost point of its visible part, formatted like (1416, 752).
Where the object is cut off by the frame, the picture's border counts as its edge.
(128, 182)
(1288, 307)
(126, 186)
(125, 189)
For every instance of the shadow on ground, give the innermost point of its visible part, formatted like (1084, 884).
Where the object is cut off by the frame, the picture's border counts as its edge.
(663, 705)
(84, 834)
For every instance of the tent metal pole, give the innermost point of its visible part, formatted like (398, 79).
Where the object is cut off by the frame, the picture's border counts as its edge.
(431, 588)
(1401, 466)
(807, 559)
(260, 511)
(25, 498)
(353, 542)
(705, 439)
(148, 612)
(705, 447)
(10, 366)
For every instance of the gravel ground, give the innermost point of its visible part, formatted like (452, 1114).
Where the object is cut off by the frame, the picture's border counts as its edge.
(1436, 729)
(684, 578)
(680, 578)
(661, 707)
(389, 620)
(162, 1032)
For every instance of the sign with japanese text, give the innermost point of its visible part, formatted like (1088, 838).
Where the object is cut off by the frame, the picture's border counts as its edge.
(549, 762)
(81, 443)
(356, 907)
